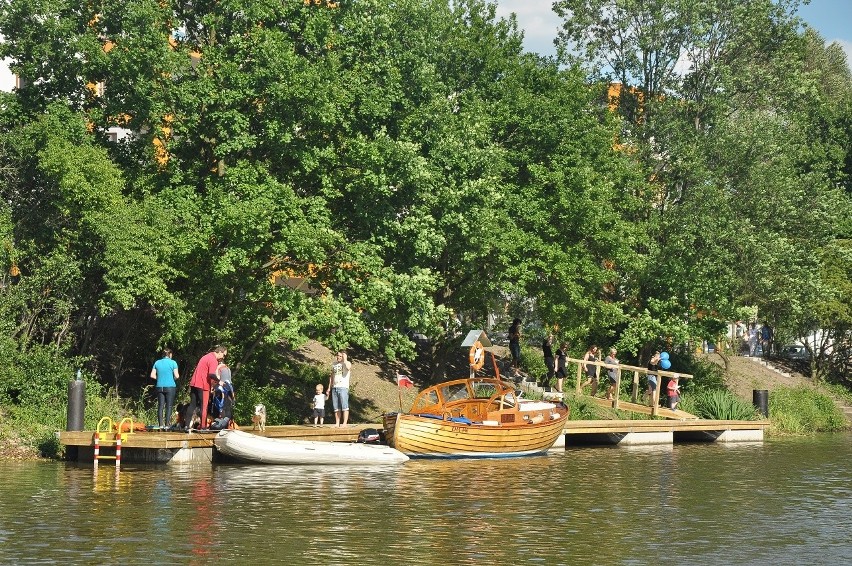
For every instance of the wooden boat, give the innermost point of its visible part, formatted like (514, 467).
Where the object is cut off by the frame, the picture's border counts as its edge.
(247, 447)
(477, 417)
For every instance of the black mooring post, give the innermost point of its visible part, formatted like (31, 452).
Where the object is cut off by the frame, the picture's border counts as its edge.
(760, 398)
(76, 403)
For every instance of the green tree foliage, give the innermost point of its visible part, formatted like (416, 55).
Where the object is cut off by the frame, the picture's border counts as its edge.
(393, 156)
(724, 105)
(354, 172)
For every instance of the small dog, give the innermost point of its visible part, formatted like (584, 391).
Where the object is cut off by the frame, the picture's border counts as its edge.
(259, 417)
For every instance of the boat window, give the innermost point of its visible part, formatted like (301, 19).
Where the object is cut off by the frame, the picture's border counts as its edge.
(454, 392)
(428, 399)
(484, 390)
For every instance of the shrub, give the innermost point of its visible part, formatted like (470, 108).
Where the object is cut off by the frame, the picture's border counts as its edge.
(583, 409)
(802, 410)
(532, 361)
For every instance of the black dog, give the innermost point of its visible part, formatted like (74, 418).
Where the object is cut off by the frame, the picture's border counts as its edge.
(180, 413)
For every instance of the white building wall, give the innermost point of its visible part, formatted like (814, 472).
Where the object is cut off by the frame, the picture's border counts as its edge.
(7, 79)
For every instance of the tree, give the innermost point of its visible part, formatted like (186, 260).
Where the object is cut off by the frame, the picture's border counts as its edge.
(712, 100)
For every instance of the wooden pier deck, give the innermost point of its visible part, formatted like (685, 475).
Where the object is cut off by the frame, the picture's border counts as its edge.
(157, 447)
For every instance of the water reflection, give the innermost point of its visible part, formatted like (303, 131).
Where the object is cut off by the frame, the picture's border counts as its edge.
(783, 501)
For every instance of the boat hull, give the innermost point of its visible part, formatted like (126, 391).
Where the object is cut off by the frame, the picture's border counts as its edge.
(425, 437)
(262, 450)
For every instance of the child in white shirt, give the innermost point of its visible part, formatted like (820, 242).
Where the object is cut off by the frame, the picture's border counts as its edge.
(318, 406)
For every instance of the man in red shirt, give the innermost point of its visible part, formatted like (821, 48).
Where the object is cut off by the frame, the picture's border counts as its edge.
(199, 385)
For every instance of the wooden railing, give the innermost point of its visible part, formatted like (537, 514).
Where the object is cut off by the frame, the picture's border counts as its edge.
(637, 371)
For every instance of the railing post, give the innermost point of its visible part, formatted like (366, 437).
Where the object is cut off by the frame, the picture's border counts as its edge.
(656, 397)
(617, 387)
(635, 394)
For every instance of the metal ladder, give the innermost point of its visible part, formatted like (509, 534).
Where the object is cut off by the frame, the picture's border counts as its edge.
(111, 436)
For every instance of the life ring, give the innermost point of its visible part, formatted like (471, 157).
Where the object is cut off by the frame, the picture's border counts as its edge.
(476, 356)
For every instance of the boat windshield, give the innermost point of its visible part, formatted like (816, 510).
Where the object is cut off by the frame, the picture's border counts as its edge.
(427, 399)
(454, 392)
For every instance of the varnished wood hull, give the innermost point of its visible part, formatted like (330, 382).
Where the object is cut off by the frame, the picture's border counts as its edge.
(424, 437)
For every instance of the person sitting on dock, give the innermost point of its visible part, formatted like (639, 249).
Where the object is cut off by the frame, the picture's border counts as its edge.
(223, 372)
(222, 405)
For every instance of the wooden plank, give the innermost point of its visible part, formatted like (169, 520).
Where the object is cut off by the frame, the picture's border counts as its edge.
(159, 439)
(645, 409)
(620, 427)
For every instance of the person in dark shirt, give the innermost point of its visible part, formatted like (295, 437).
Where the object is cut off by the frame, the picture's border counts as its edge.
(561, 365)
(549, 360)
(515, 345)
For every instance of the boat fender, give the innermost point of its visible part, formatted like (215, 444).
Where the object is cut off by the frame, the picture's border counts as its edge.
(537, 419)
(476, 356)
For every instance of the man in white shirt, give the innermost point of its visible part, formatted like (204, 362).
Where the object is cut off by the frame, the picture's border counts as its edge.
(338, 385)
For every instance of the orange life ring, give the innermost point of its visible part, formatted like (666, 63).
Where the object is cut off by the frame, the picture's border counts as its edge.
(476, 356)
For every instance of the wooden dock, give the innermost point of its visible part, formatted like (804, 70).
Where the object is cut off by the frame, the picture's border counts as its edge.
(160, 447)
(157, 447)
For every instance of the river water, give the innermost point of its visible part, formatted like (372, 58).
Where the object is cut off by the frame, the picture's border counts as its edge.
(780, 502)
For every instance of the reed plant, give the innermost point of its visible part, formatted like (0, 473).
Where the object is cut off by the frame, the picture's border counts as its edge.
(719, 405)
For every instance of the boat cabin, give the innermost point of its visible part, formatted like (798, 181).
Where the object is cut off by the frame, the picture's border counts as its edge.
(485, 400)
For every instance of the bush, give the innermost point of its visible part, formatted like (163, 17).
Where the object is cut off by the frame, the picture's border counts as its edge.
(803, 410)
(583, 409)
(532, 362)
(707, 376)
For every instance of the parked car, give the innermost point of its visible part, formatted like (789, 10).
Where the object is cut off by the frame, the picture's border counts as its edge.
(794, 352)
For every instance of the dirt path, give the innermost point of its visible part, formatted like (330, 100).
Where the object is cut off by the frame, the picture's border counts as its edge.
(746, 374)
(373, 389)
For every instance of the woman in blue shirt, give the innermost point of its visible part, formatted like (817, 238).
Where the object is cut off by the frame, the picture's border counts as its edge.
(165, 371)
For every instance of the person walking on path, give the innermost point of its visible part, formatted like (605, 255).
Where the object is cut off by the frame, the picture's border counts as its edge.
(199, 386)
(674, 392)
(752, 340)
(165, 371)
(549, 360)
(766, 339)
(515, 346)
(591, 370)
(612, 372)
(653, 367)
(561, 365)
(338, 385)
